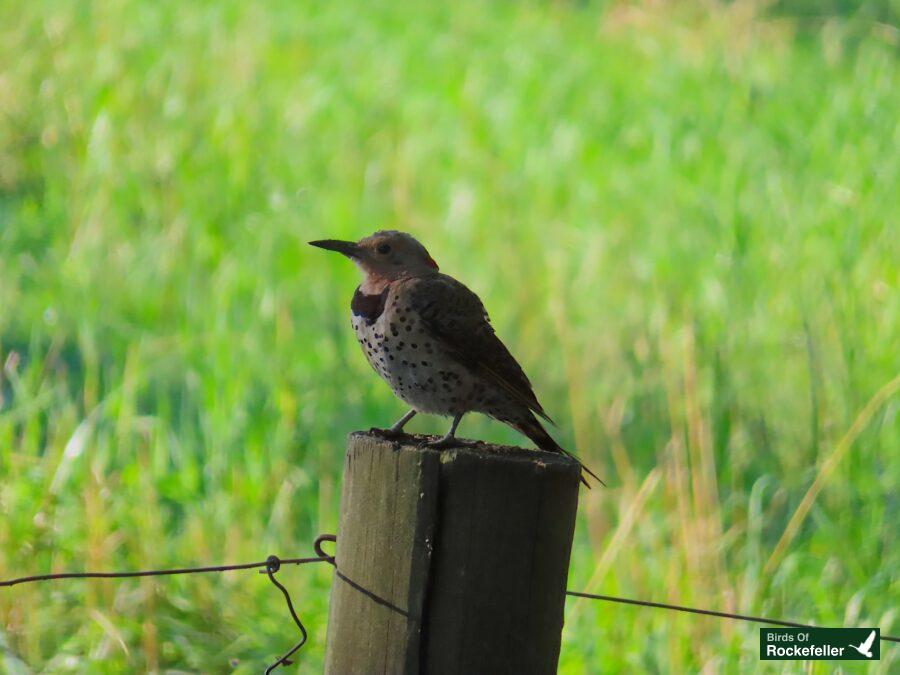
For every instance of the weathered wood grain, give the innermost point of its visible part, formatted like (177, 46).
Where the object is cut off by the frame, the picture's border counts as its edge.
(450, 561)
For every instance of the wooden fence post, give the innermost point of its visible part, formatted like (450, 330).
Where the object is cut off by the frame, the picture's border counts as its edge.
(451, 561)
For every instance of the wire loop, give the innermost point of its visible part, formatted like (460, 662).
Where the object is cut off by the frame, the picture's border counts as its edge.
(317, 546)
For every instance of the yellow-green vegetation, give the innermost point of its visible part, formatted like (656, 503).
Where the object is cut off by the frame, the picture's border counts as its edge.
(683, 219)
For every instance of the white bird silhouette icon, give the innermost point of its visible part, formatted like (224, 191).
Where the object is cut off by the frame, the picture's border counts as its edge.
(865, 648)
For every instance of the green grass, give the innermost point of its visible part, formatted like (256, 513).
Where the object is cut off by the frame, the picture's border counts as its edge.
(684, 221)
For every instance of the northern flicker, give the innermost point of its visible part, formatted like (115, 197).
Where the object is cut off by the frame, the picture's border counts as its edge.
(430, 338)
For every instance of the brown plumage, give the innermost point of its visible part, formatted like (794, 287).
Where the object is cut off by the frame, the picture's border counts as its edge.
(430, 338)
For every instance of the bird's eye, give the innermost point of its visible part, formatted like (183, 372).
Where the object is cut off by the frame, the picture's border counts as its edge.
(383, 249)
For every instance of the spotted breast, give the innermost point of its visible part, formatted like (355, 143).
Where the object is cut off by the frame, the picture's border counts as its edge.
(418, 370)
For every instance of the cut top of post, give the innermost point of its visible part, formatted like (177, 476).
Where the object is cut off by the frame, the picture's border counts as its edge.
(479, 450)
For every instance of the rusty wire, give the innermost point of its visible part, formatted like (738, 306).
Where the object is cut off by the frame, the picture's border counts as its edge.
(273, 564)
(155, 573)
(705, 612)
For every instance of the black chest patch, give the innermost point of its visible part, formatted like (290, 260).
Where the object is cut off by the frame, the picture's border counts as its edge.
(369, 307)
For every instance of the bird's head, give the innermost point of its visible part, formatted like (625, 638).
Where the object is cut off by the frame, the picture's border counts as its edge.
(383, 256)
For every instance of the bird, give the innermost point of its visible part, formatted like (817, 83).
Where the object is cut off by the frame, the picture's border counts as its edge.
(430, 339)
(865, 648)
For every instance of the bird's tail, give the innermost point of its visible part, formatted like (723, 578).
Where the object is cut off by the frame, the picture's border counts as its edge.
(532, 429)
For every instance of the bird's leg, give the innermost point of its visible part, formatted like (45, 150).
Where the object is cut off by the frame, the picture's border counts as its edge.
(397, 428)
(450, 437)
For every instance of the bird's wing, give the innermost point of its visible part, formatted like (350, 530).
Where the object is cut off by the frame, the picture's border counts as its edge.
(455, 318)
(869, 641)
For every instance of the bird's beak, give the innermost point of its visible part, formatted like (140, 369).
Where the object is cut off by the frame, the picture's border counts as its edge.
(347, 248)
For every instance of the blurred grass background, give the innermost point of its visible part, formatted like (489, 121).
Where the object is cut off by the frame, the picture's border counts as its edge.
(683, 218)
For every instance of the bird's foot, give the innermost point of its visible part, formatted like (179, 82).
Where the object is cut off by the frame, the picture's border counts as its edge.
(390, 432)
